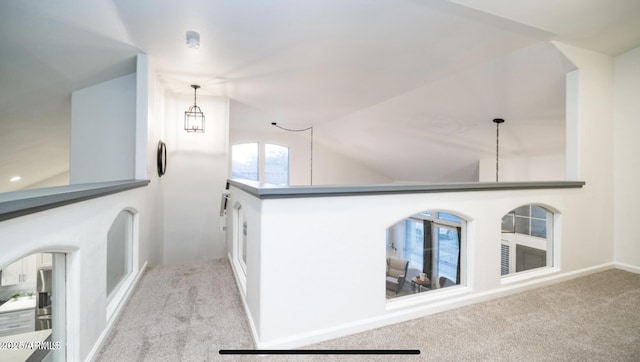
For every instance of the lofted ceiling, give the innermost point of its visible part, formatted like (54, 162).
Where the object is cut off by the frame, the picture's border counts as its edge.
(410, 78)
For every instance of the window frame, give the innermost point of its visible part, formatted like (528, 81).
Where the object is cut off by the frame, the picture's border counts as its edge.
(433, 216)
(262, 160)
(551, 242)
(117, 294)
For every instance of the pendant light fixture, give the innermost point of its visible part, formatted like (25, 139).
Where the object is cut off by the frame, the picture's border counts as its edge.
(194, 118)
(497, 121)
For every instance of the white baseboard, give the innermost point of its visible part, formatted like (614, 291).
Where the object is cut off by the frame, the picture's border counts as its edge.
(627, 267)
(252, 326)
(455, 298)
(116, 314)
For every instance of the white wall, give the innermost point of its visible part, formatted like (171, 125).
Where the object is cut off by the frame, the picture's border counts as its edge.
(327, 255)
(103, 123)
(322, 260)
(80, 229)
(627, 162)
(329, 167)
(536, 168)
(196, 174)
(593, 109)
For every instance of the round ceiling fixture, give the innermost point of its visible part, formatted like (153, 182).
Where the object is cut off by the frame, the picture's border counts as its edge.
(193, 39)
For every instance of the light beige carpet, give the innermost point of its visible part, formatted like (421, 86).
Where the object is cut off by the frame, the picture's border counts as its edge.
(189, 312)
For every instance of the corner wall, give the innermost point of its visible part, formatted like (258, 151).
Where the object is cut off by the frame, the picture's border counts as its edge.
(627, 162)
(80, 229)
(196, 174)
(103, 123)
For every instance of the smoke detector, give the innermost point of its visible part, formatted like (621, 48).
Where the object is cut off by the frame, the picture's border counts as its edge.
(193, 39)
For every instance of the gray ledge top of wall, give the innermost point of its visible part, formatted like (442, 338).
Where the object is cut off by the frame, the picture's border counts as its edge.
(267, 191)
(24, 202)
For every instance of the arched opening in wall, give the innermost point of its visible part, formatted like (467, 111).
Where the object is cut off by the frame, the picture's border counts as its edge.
(527, 239)
(33, 308)
(425, 252)
(239, 251)
(122, 258)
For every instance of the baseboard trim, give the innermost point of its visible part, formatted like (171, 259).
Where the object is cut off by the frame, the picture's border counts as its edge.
(418, 310)
(627, 267)
(252, 326)
(116, 315)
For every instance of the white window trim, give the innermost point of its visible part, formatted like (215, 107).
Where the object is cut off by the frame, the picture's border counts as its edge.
(238, 264)
(554, 225)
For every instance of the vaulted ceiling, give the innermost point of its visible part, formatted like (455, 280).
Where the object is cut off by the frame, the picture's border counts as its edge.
(408, 77)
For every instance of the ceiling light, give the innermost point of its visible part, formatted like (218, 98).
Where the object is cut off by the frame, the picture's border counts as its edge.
(15, 179)
(193, 39)
(194, 118)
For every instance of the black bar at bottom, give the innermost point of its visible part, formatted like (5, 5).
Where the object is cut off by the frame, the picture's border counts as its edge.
(319, 351)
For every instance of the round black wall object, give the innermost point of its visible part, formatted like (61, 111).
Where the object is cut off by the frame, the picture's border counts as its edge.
(162, 158)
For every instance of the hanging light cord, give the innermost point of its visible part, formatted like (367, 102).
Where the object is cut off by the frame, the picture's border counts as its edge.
(300, 130)
(497, 121)
(195, 91)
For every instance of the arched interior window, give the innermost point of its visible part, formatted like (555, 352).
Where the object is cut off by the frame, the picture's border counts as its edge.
(425, 251)
(119, 251)
(527, 239)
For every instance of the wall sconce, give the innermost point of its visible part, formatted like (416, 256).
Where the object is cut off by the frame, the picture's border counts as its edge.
(194, 118)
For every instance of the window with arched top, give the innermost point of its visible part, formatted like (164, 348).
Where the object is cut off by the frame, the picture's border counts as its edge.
(119, 251)
(425, 251)
(526, 239)
(260, 162)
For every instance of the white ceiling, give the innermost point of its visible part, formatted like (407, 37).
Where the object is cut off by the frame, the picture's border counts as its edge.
(408, 77)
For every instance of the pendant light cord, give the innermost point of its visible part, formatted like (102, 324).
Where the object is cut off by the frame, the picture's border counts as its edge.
(301, 130)
(497, 121)
(497, 149)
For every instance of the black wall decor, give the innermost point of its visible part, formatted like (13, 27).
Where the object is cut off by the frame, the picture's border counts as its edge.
(162, 158)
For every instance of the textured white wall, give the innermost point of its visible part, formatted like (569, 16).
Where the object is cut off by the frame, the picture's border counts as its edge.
(80, 230)
(627, 162)
(195, 177)
(329, 167)
(536, 168)
(103, 126)
(322, 260)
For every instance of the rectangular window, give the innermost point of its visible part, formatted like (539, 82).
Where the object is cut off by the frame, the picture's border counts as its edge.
(244, 161)
(414, 243)
(448, 252)
(276, 165)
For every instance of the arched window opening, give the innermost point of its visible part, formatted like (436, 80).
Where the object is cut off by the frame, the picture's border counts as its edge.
(425, 251)
(119, 251)
(527, 239)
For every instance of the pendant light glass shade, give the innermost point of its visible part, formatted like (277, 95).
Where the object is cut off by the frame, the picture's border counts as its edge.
(194, 118)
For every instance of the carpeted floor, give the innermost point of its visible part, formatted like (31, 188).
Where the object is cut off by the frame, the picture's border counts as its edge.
(189, 312)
